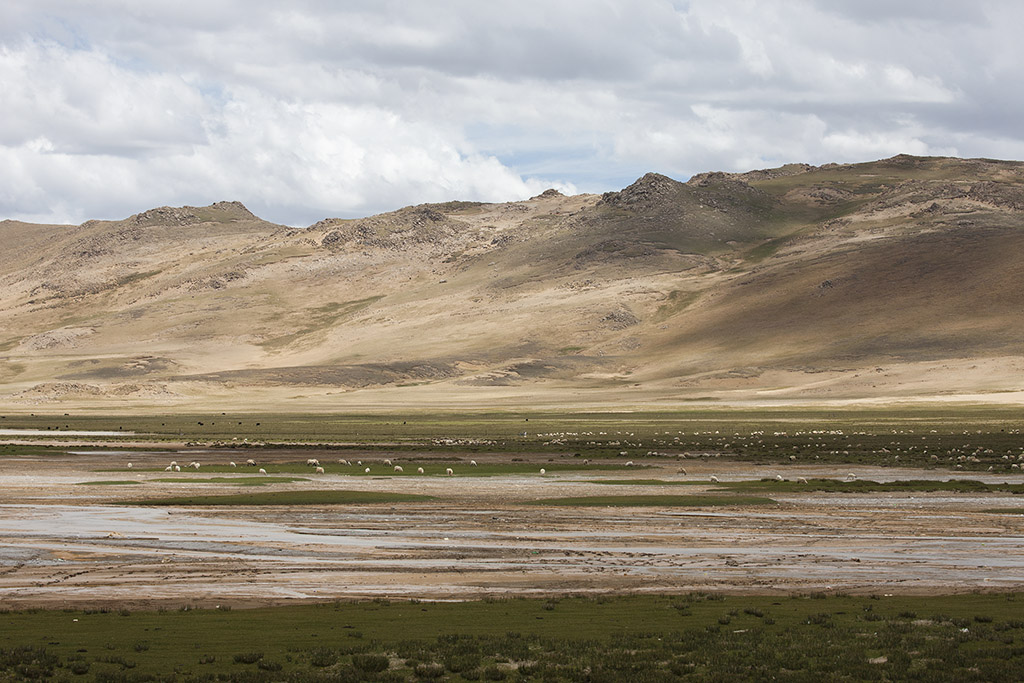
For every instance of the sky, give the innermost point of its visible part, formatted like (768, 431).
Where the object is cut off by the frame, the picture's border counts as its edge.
(344, 108)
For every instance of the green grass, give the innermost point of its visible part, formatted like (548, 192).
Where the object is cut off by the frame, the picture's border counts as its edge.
(288, 498)
(868, 486)
(112, 482)
(976, 637)
(237, 481)
(654, 501)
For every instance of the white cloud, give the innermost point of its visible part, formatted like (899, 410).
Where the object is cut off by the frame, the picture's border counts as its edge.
(318, 108)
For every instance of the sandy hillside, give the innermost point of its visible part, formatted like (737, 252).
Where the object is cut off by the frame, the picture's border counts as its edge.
(893, 279)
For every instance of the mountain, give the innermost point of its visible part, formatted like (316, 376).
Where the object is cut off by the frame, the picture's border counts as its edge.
(895, 279)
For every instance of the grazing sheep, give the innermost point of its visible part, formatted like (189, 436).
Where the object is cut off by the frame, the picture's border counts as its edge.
(398, 468)
(366, 471)
(196, 465)
(343, 462)
(319, 470)
(250, 462)
(174, 463)
(714, 478)
(313, 462)
(233, 464)
(177, 468)
(129, 465)
(449, 472)
(682, 470)
(851, 477)
(543, 471)
(168, 468)
(471, 462)
(778, 477)
(801, 480)
(262, 471)
(586, 462)
(629, 464)
(388, 463)
(419, 470)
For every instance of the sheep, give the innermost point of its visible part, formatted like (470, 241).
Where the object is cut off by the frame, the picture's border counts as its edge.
(313, 462)
(714, 479)
(196, 465)
(174, 463)
(398, 468)
(682, 470)
(543, 471)
(262, 471)
(851, 477)
(586, 462)
(177, 468)
(388, 463)
(343, 461)
(366, 471)
(471, 462)
(168, 468)
(250, 462)
(778, 477)
(801, 480)
(629, 464)
(319, 470)
(449, 471)
(129, 465)
(419, 470)
(232, 463)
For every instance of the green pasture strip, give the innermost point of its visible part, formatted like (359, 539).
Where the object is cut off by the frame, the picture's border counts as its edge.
(697, 636)
(112, 482)
(654, 501)
(409, 468)
(868, 486)
(288, 498)
(641, 482)
(237, 481)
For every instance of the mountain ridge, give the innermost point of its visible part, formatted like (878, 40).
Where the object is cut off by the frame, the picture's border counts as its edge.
(790, 284)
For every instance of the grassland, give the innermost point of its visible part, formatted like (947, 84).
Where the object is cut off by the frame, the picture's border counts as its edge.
(974, 637)
(333, 497)
(655, 501)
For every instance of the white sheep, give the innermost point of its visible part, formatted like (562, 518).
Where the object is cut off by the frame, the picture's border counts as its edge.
(250, 462)
(367, 470)
(778, 477)
(419, 470)
(168, 468)
(449, 471)
(343, 462)
(319, 470)
(388, 463)
(262, 471)
(129, 465)
(629, 464)
(471, 462)
(177, 468)
(232, 464)
(398, 468)
(682, 470)
(174, 463)
(851, 477)
(313, 462)
(196, 465)
(801, 480)
(714, 478)
(543, 471)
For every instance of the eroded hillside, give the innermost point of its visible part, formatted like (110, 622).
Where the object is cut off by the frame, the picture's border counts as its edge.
(897, 278)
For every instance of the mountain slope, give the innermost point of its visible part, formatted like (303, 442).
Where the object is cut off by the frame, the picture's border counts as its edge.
(896, 278)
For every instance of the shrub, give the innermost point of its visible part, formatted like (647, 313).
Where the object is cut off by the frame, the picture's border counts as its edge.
(372, 663)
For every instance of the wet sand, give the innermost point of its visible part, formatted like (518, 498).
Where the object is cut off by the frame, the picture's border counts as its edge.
(63, 543)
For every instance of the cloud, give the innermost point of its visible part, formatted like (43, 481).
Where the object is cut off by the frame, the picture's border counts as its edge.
(318, 108)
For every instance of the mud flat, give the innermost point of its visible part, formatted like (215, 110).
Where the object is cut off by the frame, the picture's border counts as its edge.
(70, 535)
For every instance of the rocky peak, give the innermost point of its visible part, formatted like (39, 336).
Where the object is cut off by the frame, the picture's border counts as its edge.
(649, 189)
